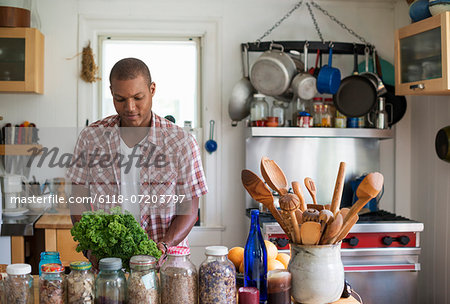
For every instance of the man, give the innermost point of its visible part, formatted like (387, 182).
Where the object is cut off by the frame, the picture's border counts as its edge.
(141, 160)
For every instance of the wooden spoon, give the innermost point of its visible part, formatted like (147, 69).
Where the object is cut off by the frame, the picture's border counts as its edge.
(317, 207)
(337, 194)
(325, 216)
(290, 203)
(296, 187)
(345, 229)
(311, 186)
(299, 216)
(310, 233)
(344, 212)
(274, 176)
(332, 229)
(310, 215)
(260, 193)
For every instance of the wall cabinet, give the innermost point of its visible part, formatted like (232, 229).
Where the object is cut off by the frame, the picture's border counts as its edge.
(422, 64)
(21, 60)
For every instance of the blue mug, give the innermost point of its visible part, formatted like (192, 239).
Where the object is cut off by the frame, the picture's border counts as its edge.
(329, 78)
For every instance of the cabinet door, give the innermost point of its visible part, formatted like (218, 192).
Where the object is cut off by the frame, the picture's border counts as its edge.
(421, 63)
(66, 246)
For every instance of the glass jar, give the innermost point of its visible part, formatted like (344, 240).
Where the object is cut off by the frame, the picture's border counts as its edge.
(331, 109)
(49, 257)
(217, 277)
(110, 285)
(178, 278)
(52, 284)
(18, 285)
(80, 283)
(143, 283)
(279, 110)
(317, 111)
(326, 116)
(340, 121)
(259, 110)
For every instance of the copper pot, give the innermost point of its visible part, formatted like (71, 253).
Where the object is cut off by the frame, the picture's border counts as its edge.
(14, 17)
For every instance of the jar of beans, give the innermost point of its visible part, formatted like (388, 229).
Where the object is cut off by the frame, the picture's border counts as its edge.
(52, 284)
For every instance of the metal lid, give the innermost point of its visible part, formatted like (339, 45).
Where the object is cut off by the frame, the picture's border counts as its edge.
(216, 250)
(258, 95)
(142, 260)
(110, 264)
(18, 269)
(80, 265)
(52, 267)
(178, 251)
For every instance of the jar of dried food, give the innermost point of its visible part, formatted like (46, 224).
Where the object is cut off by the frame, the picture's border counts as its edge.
(80, 283)
(49, 257)
(178, 278)
(217, 277)
(18, 285)
(52, 284)
(110, 285)
(143, 283)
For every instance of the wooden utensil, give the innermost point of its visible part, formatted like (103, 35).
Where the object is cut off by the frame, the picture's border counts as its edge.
(324, 217)
(337, 194)
(289, 203)
(328, 206)
(317, 207)
(274, 176)
(260, 193)
(345, 229)
(299, 216)
(311, 186)
(344, 212)
(332, 229)
(310, 215)
(296, 187)
(310, 233)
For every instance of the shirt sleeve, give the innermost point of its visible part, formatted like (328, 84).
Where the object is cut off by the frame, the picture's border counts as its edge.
(78, 171)
(191, 178)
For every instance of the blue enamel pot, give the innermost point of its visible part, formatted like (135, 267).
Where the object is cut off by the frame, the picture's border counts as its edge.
(329, 78)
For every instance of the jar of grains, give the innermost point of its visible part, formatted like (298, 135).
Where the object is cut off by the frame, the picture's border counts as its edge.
(110, 285)
(52, 284)
(143, 284)
(18, 285)
(80, 283)
(217, 277)
(178, 278)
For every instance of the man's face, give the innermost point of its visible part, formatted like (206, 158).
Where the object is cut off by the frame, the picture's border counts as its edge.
(133, 101)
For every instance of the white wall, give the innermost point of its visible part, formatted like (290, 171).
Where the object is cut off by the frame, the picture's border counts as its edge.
(241, 21)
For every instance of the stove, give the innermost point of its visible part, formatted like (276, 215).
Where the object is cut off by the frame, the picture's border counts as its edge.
(380, 255)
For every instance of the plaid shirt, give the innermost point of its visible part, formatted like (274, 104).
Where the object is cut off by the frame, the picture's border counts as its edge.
(171, 166)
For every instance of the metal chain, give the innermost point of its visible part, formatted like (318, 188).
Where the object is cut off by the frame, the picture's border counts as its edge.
(339, 23)
(315, 22)
(277, 24)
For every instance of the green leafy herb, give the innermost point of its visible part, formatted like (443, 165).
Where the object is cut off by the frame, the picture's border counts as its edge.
(113, 234)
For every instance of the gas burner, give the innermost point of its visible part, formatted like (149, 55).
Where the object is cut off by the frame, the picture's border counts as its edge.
(381, 216)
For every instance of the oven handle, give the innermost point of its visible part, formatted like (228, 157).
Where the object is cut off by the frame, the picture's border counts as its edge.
(387, 267)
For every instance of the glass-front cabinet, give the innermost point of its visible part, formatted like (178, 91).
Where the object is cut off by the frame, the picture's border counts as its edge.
(21, 60)
(422, 64)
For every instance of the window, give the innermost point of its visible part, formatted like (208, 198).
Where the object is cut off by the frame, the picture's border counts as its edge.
(174, 65)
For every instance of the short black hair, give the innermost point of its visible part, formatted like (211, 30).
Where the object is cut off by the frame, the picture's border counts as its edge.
(130, 68)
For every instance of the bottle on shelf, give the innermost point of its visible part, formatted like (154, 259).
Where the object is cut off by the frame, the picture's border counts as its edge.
(328, 101)
(259, 110)
(255, 259)
(317, 111)
(279, 110)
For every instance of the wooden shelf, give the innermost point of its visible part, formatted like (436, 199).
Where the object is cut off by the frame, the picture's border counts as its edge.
(18, 149)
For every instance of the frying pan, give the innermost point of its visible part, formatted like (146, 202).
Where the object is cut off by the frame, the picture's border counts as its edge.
(442, 143)
(356, 95)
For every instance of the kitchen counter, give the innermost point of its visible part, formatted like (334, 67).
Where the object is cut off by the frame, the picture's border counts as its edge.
(20, 225)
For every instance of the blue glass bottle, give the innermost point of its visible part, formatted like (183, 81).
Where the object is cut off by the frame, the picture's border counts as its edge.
(49, 257)
(255, 259)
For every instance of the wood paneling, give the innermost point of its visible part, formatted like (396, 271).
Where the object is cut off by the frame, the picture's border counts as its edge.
(17, 249)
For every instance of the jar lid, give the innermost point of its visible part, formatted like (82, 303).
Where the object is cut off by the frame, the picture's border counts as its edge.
(110, 264)
(317, 98)
(216, 250)
(80, 265)
(304, 114)
(18, 269)
(142, 260)
(178, 251)
(52, 267)
(259, 95)
(56, 253)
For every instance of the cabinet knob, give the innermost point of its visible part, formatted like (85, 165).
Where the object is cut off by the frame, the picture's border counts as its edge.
(419, 86)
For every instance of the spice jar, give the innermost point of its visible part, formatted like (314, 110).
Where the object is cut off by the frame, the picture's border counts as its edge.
(110, 285)
(178, 278)
(80, 283)
(217, 277)
(52, 284)
(49, 257)
(279, 110)
(143, 284)
(317, 111)
(326, 117)
(259, 110)
(18, 285)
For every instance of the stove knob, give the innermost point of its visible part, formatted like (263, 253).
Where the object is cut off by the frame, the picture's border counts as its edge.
(387, 240)
(282, 242)
(404, 240)
(353, 241)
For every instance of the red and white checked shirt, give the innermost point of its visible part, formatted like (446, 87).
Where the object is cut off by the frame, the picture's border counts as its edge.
(96, 164)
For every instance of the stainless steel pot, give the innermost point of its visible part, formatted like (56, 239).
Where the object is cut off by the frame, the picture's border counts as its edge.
(272, 72)
(304, 85)
(373, 77)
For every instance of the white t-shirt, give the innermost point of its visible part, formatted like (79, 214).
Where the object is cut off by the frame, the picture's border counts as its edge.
(130, 181)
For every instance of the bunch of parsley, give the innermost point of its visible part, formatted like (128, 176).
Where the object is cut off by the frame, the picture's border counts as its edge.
(113, 234)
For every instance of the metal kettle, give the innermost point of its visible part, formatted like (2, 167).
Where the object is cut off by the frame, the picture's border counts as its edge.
(381, 115)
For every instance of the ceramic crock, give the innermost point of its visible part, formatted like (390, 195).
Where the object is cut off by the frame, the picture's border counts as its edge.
(317, 273)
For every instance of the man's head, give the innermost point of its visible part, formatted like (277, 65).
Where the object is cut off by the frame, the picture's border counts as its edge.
(132, 90)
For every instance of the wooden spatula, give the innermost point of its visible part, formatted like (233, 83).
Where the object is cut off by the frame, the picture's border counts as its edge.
(310, 233)
(274, 176)
(290, 203)
(337, 194)
(311, 186)
(296, 187)
(345, 229)
(332, 229)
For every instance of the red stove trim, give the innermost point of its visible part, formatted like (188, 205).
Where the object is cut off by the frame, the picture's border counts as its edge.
(375, 240)
(369, 268)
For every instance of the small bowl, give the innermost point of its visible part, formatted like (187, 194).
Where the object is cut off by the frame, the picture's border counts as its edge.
(439, 6)
(419, 10)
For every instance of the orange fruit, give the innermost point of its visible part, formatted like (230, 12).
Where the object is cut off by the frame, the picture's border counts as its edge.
(284, 258)
(241, 267)
(274, 264)
(271, 249)
(236, 256)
